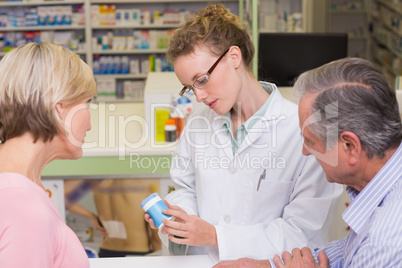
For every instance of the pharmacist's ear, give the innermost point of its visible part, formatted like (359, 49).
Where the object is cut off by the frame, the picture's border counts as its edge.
(235, 56)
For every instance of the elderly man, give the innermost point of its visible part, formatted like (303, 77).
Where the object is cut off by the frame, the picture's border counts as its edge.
(350, 122)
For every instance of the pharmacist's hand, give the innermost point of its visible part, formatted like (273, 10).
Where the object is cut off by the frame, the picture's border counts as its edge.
(188, 229)
(301, 259)
(151, 221)
(244, 262)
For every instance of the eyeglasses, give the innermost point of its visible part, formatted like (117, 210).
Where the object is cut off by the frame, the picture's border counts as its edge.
(201, 81)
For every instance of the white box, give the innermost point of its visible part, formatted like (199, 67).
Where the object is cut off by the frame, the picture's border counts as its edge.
(106, 88)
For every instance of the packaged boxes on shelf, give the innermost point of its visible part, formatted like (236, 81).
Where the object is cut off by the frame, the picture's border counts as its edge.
(124, 65)
(342, 5)
(68, 39)
(275, 16)
(106, 88)
(42, 16)
(134, 90)
(103, 15)
(129, 40)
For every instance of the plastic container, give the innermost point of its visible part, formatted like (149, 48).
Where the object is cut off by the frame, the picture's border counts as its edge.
(170, 130)
(153, 206)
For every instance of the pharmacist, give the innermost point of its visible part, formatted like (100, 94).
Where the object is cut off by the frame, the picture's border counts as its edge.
(243, 187)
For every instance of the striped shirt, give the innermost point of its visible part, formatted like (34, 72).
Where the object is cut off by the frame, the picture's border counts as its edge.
(375, 220)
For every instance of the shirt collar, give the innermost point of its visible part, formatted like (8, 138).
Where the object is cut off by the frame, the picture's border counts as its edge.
(268, 87)
(365, 202)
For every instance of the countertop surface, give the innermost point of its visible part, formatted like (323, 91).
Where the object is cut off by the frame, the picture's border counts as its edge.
(195, 261)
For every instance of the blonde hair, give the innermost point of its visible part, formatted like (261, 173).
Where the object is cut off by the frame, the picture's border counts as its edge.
(33, 79)
(215, 27)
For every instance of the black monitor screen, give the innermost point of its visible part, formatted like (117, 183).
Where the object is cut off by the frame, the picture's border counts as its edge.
(282, 57)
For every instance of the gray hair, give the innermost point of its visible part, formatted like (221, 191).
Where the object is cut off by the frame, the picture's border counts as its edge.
(353, 95)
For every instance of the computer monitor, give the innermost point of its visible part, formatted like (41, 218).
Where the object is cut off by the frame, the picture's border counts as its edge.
(282, 57)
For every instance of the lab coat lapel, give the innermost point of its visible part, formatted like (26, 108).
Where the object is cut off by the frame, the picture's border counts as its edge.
(223, 139)
(262, 127)
(255, 133)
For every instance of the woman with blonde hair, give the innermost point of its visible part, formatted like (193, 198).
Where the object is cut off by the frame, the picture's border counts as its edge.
(44, 94)
(243, 187)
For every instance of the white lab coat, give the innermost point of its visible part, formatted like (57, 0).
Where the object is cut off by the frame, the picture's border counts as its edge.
(294, 203)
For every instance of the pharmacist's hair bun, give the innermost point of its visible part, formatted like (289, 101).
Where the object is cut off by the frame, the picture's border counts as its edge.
(220, 13)
(217, 10)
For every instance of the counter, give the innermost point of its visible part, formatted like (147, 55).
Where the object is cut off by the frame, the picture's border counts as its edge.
(145, 161)
(195, 261)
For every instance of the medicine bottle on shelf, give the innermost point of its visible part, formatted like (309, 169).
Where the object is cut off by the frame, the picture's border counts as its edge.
(170, 130)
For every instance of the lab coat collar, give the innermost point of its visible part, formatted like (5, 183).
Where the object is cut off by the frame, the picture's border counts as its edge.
(274, 111)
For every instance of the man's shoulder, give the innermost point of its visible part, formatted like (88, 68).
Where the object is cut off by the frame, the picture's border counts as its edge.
(387, 227)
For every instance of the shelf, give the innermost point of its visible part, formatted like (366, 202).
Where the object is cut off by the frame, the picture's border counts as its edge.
(138, 51)
(42, 28)
(115, 100)
(392, 29)
(153, 1)
(122, 76)
(356, 38)
(388, 47)
(76, 52)
(42, 3)
(385, 67)
(351, 12)
(384, 3)
(131, 27)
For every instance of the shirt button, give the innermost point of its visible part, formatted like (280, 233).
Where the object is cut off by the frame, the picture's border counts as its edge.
(227, 219)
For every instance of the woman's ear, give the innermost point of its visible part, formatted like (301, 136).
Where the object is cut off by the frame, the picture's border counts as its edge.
(351, 146)
(60, 109)
(235, 56)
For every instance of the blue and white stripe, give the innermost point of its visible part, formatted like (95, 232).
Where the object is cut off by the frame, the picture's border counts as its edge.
(375, 219)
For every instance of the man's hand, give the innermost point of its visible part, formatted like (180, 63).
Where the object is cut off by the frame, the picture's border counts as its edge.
(244, 262)
(301, 259)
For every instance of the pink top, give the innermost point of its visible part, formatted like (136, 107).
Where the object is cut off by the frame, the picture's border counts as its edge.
(32, 233)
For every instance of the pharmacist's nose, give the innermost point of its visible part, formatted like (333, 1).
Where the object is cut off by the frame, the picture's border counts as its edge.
(200, 94)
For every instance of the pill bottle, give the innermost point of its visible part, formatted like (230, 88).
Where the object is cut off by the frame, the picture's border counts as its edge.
(170, 130)
(153, 206)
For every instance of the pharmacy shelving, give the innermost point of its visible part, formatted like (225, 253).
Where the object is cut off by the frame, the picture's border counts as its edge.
(387, 37)
(282, 16)
(155, 1)
(130, 52)
(42, 28)
(141, 56)
(351, 17)
(39, 3)
(120, 76)
(107, 27)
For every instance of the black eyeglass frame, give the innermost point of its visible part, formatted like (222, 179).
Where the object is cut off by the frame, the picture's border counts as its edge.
(189, 88)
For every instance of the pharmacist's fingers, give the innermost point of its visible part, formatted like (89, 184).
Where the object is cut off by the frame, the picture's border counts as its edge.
(169, 224)
(150, 221)
(178, 214)
(178, 240)
(173, 207)
(176, 232)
